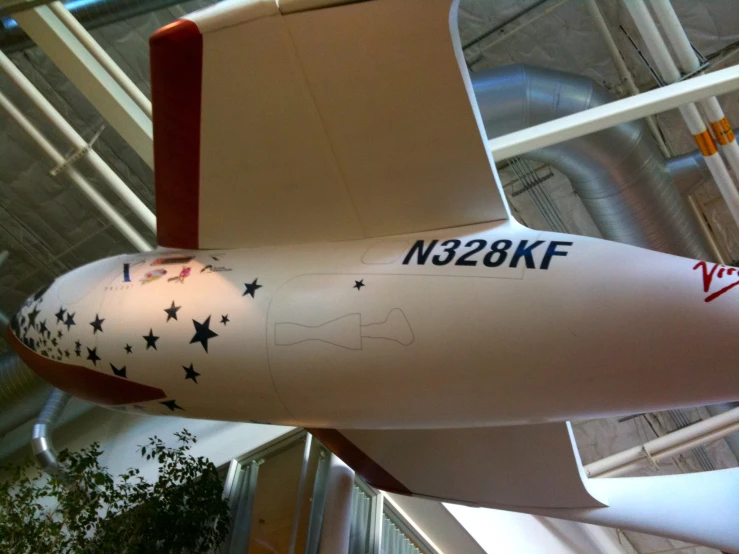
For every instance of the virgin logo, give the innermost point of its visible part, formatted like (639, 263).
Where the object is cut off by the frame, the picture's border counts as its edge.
(719, 272)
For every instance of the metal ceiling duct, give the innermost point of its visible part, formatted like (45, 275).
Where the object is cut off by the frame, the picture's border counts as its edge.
(619, 173)
(43, 448)
(22, 393)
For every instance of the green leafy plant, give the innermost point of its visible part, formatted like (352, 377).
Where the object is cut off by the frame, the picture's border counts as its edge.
(86, 510)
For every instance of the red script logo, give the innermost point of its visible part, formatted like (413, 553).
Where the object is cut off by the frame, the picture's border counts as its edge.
(717, 271)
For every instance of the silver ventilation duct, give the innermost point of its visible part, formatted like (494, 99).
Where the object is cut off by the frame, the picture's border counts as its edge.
(41, 443)
(633, 193)
(619, 173)
(22, 393)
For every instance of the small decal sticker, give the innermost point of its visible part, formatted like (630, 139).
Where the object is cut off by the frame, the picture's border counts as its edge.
(173, 260)
(182, 276)
(214, 269)
(153, 275)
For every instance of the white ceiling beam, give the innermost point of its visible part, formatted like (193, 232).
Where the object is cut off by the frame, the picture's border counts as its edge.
(614, 113)
(86, 73)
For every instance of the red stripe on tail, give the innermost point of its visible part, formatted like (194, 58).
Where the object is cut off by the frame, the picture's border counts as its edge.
(176, 81)
(372, 472)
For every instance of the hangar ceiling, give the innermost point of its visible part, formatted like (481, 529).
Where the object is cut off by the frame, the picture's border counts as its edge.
(49, 228)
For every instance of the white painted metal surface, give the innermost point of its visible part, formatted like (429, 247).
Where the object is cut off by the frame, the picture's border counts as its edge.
(90, 77)
(111, 177)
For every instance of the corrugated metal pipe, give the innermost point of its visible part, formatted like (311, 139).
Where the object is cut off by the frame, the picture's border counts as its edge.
(22, 393)
(619, 173)
(41, 443)
(632, 192)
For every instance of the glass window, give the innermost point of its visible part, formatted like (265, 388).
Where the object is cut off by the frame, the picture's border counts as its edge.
(360, 534)
(394, 540)
(274, 502)
(263, 493)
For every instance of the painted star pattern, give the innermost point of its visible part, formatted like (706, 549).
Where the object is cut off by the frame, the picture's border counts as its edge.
(128, 348)
(97, 325)
(119, 372)
(42, 328)
(359, 284)
(224, 319)
(92, 355)
(60, 315)
(172, 405)
(69, 321)
(172, 311)
(32, 316)
(190, 373)
(251, 288)
(203, 333)
(151, 340)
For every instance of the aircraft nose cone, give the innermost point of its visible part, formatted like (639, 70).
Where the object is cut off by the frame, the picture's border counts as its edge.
(47, 338)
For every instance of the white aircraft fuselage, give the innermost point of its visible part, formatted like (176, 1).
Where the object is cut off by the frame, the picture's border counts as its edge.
(491, 324)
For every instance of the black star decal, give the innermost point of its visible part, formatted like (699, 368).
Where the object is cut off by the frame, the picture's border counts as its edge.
(151, 340)
(69, 321)
(59, 353)
(59, 334)
(119, 372)
(203, 333)
(224, 319)
(77, 344)
(66, 353)
(359, 284)
(78, 352)
(60, 315)
(172, 405)
(54, 341)
(191, 373)
(128, 348)
(251, 288)
(40, 292)
(42, 328)
(97, 325)
(32, 316)
(172, 311)
(92, 355)
(44, 352)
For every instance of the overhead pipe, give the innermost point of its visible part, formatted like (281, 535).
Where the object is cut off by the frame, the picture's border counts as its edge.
(623, 71)
(41, 442)
(667, 446)
(56, 119)
(670, 74)
(91, 14)
(120, 223)
(689, 63)
(619, 172)
(92, 46)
